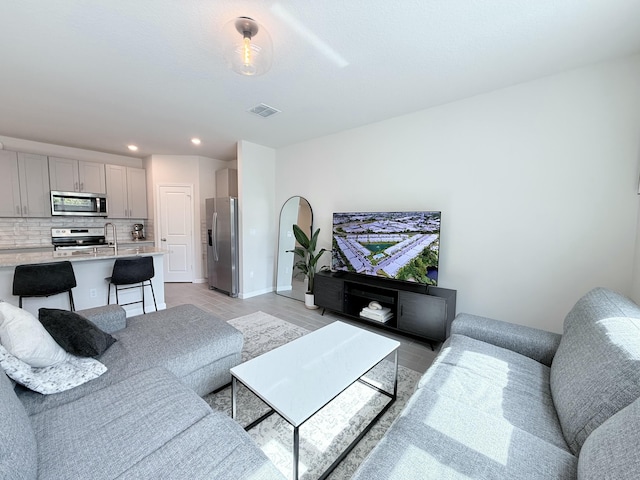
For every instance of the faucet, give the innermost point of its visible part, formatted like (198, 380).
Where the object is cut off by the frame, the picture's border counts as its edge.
(115, 237)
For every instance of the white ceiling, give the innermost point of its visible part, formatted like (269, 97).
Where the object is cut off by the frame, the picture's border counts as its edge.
(100, 74)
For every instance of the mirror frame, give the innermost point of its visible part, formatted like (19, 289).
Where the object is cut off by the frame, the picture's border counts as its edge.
(282, 255)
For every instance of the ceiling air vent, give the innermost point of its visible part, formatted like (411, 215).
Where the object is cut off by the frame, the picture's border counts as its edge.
(263, 110)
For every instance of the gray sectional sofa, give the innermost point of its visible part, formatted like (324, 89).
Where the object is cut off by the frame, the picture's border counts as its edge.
(503, 401)
(144, 417)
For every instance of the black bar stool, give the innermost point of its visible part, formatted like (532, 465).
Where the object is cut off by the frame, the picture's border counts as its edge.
(132, 273)
(44, 280)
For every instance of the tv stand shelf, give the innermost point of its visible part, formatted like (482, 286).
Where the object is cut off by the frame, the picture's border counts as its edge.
(418, 311)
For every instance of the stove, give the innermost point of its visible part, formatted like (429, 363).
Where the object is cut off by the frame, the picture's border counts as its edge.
(77, 238)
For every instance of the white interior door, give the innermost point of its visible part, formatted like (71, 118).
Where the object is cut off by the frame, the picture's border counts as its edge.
(176, 232)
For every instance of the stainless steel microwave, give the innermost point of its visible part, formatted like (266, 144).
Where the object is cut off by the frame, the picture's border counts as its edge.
(78, 204)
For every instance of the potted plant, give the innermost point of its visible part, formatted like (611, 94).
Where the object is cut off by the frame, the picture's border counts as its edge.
(308, 260)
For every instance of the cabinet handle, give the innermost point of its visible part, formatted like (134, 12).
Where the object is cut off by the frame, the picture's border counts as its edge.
(75, 186)
(82, 186)
(18, 209)
(24, 209)
(401, 309)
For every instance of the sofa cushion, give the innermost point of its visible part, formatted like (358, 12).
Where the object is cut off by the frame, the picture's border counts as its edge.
(213, 448)
(611, 451)
(55, 378)
(18, 454)
(596, 370)
(149, 426)
(23, 336)
(74, 333)
(108, 318)
(440, 437)
(182, 339)
(498, 383)
(194, 345)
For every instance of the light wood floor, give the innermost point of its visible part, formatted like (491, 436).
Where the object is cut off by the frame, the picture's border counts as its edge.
(413, 354)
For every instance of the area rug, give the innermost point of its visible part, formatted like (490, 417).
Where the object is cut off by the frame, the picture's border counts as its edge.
(326, 434)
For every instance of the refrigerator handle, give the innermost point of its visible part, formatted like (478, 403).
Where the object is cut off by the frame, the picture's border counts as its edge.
(215, 236)
(210, 239)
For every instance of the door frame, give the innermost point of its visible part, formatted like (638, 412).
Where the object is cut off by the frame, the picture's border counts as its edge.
(195, 228)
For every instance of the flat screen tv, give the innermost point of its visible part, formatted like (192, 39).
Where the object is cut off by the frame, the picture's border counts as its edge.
(397, 245)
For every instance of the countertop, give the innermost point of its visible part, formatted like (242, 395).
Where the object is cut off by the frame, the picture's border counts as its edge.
(49, 247)
(103, 253)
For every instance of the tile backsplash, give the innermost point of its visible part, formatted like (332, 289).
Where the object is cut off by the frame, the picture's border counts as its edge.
(36, 232)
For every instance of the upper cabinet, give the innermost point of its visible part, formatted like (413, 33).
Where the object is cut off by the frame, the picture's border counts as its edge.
(227, 182)
(68, 175)
(126, 192)
(10, 205)
(24, 185)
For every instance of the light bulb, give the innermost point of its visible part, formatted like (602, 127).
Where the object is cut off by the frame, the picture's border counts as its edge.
(246, 51)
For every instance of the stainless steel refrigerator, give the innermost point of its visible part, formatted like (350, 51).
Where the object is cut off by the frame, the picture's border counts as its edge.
(222, 244)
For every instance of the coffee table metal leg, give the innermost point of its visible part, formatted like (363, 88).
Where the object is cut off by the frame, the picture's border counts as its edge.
(395, 376)
(296, 450)
(234, 388)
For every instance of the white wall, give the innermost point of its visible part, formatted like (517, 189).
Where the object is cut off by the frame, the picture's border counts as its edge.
(258, 218)
(537, 185)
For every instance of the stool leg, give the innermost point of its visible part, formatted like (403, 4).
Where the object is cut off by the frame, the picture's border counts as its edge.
(154, 296)
(71, 303)
(143, 310)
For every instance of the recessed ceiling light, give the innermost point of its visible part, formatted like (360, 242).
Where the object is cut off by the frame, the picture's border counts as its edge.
(196, 141)
(133, 148)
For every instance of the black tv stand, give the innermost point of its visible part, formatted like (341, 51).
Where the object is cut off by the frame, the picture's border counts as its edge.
(418, 311)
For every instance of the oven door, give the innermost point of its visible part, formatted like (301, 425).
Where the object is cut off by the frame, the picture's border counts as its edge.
(78, 204)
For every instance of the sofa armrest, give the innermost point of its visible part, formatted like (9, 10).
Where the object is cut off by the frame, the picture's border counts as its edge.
(108, 318)
(540, 345)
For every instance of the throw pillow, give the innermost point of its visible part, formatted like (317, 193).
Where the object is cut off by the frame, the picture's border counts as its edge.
(24, 337)
(75, 333)
(54, 379)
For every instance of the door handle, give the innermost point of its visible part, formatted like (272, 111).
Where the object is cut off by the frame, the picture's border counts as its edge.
(163, 239)
(215, 236)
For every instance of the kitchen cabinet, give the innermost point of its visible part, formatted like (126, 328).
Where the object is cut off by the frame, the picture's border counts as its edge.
(10, 205)
(24, 185)
(67, 175)
(227, 182)
(126, 192)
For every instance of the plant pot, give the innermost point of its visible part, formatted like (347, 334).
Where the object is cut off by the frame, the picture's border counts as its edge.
(309, 301)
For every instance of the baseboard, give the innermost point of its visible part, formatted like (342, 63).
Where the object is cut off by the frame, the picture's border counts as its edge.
(255, 293)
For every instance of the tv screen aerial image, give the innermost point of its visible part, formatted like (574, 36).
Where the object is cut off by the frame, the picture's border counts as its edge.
(399, 245)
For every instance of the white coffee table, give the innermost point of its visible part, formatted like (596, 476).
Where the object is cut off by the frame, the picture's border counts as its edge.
(299, 378)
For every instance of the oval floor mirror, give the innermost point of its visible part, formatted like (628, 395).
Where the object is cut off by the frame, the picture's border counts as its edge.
(290, 282)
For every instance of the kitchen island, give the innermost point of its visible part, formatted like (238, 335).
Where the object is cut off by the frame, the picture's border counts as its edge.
(91, 267)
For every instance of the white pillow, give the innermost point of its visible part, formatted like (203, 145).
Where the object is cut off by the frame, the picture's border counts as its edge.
(24, 337)
(54, 379)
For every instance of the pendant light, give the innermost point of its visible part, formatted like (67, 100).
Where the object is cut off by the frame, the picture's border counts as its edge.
(250, 52)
